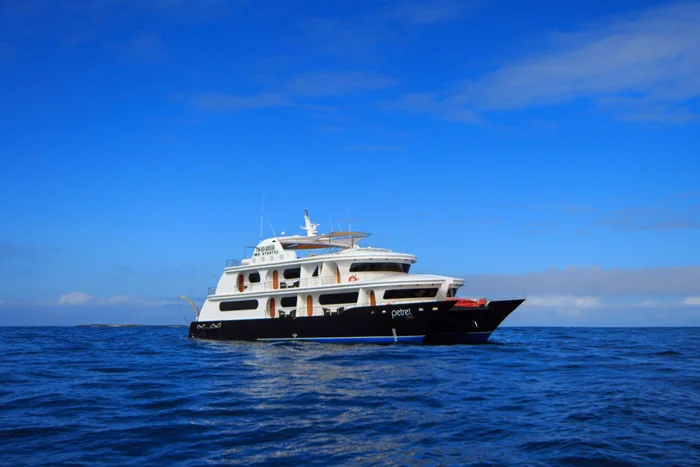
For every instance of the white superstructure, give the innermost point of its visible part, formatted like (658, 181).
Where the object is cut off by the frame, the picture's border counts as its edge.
(276, 281)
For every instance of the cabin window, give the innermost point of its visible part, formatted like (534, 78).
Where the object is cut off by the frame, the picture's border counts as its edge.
(410, 293)
(379, 267)
(287, 302)
(315, 273)
(254, 277)
(238, 305)
(293, 273)
(336, 298)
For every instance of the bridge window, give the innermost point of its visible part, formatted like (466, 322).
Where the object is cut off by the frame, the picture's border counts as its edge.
(293, 273)
(336, 298)
(379, 267)
(410, 293)
(238, 305)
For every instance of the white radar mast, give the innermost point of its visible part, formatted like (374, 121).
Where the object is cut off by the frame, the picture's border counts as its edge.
(311, 229)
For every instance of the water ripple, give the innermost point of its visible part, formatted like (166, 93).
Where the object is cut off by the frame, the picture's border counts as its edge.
(536, 396)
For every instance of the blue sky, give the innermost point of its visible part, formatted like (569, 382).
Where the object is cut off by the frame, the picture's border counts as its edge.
(545, 147)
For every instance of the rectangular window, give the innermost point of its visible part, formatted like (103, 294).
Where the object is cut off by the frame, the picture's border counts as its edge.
(293, 273)
(336, 298)
(238, 305)
(379, 267)
(410, 293)
(287, 302)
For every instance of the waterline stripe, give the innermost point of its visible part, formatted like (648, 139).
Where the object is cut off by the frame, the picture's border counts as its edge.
(354, 340)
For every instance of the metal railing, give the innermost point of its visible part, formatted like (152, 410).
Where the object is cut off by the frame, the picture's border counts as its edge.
(286, 284)
(292, 284)
(328, 310)
(230, 263)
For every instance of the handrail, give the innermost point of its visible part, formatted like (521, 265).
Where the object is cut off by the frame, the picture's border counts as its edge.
(301, 311)
(292, 284)
(285, 284)
(230, 263)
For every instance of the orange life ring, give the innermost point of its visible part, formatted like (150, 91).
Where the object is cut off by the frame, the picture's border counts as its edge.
(353, 278)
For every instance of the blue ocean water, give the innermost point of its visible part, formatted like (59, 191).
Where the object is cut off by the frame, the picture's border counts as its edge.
(535, 396)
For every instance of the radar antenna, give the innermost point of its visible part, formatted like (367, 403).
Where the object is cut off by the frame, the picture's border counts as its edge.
(311, 229)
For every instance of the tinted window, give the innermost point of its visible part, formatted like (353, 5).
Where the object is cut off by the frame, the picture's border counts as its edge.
(335, 298)
(288, 301)
(254, 277)
(379, 267)
(294, 273)
(410, 293)
(238, 305)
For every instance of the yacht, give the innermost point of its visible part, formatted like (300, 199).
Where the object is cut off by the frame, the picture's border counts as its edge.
(328, 288)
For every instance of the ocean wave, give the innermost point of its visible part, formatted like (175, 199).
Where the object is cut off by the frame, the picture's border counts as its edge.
(539, 396)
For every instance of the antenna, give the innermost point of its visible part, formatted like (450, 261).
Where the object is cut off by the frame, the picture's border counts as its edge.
(271, 228)
(311, 228)
(262, 212)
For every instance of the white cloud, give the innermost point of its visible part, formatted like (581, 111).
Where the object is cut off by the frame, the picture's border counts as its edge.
(131, 300)
(659, 217)
(82, 298)
(568, 301)
(643, 68)
(221, 101)
(643, 54)
(691, 301)
(179, 11)
(75, 298)
(442, 105)
(604, 315)
(428, 12)
(591, 282)
(651, 304)
(299, 91)
(337, 83)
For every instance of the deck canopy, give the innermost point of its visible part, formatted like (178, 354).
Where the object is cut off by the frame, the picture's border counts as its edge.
(342, 240)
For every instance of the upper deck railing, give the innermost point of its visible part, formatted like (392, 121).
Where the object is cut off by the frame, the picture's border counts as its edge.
(293, 284)
(283, 284)
(230, 263)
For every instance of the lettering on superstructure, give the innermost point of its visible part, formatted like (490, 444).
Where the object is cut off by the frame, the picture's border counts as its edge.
(265, 250)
